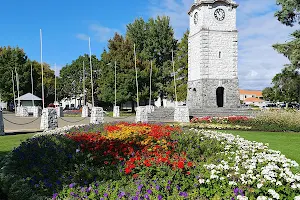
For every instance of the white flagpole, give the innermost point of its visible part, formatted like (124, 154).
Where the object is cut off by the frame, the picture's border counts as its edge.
(55, 83)
(31, 84)
(115, 83)
(18, 87)
(150, 84)
(174, 76)
(13, 82)
(83, 84)
(136, 79)
(91, 72)
(41, 40)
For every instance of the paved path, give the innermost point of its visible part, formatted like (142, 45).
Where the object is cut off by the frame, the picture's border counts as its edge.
(32, 124)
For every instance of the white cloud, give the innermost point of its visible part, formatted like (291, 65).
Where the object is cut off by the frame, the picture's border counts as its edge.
(82, 36)
(98, 32)
(258, 31)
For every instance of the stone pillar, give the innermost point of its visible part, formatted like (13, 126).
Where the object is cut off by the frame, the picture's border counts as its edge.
(1, 123)
(85, 111)
(141, 114)
(59, 111)
(116, 112)
(36, 111)
(49, 119)
(150, 109)
(181, 114)
(22, 112)
(97, 115)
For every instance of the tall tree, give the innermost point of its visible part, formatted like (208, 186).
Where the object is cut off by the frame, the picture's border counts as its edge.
(155, 41)
(71, 77)
(289, 13)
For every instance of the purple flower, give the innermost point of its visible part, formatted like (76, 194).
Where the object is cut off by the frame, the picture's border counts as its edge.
(168, 187)
(71, 185)
(122, 194)
(72, 194)
(236, 191)
(101, 198)
(149, 191)
(96, 192)
(178, 187)
(105, 194)
(135, 198)
(183, 194)
(54, 196)
(169, 182)
(159, 197)
(157, 187)
(140, 187)
(146, 196)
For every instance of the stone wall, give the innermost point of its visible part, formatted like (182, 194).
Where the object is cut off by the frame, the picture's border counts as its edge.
(85, 111)
(150, 109)
(141, 114)
(181, 114)
(49, 119)
(35, 110)
(97, 115)
(116, 112)
(22, 112)
(1, 123)
(202, 93)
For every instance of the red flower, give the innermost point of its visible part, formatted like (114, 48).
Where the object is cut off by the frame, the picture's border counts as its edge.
(190, 164)
(127, 170)
(180, 164)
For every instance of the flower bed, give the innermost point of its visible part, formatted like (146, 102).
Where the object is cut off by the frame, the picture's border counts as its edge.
(146, 161)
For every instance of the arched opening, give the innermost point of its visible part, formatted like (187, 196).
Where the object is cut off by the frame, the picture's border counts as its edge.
(220, 97)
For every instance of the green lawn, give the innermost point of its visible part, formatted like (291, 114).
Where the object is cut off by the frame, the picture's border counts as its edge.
(287, 143)
(8, 142)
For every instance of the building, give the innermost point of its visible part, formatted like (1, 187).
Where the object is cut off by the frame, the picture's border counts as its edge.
(28, 99)
(244, 94)
(252, 97)
(213, 55)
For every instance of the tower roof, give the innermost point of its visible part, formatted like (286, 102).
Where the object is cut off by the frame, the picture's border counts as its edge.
(198, 3)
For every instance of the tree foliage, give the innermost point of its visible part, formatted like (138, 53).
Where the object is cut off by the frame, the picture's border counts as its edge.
(289, 13)
(15, 60)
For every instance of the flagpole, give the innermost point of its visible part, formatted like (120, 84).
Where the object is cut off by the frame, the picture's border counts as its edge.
(13, 82)
(174, 76)
(83, 84)
(136, 79)
(150, 84)
(18, 86)
(115, 83)
(91, 72)
(55, 83)
(41, 40)
(31, 83)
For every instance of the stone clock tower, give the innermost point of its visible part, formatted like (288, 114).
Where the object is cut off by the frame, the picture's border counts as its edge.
(213, 55)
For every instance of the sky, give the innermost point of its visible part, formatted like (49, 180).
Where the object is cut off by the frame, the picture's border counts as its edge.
(66, 26)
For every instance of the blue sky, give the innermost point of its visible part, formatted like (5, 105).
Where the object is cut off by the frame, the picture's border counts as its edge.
(67, 24)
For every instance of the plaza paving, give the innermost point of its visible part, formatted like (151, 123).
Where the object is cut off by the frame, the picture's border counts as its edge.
(13, 124)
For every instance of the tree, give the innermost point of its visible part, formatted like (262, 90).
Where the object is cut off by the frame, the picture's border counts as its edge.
(269, 94)
(71, 77)
(181, 69)
(155, 41)
(15, 59)
(289, 13)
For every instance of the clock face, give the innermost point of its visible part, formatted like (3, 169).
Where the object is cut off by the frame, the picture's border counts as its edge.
(219, 14)
(196, 17)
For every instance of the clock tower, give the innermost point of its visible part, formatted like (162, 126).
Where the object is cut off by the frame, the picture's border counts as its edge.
(213, 55)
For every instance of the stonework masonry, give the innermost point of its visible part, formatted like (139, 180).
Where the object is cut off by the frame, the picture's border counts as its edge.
(141, 114)
(49, 119)
(1, 123)
(85, 111)
(116, 111)
(97, 115)
(181, 114)
(213, 56)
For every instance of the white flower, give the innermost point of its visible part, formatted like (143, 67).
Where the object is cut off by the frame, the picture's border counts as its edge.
(259, 185)
(262, 198)
(297, 197)
(240, 197)
(201, 181)
(293, 186)
(232, 183)
(274, 194)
